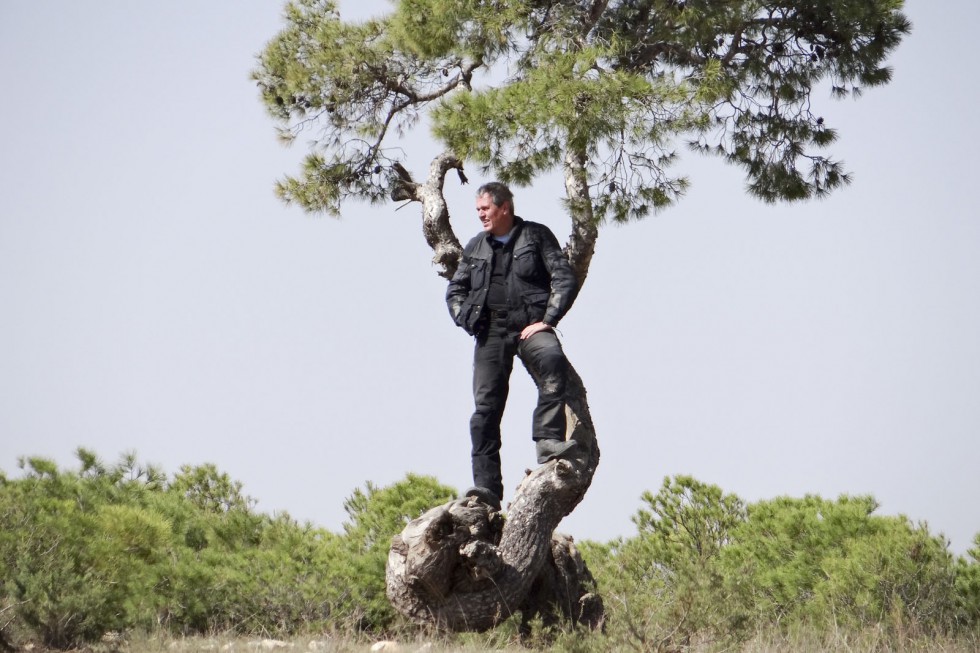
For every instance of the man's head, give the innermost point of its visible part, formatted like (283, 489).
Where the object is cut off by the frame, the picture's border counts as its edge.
(495, 208)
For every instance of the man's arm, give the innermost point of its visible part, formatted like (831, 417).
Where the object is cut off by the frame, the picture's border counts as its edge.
(564, 286)
(459, 288)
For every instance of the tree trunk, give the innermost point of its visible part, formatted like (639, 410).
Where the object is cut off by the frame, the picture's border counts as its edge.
(462, 566)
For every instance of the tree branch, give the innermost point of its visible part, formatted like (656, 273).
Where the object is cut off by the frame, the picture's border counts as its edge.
(585, 230)
(436, 228)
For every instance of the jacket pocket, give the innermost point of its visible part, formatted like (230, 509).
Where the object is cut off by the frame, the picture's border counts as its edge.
(471, 311)
(527, 263)
(535, 303)
(478, 273)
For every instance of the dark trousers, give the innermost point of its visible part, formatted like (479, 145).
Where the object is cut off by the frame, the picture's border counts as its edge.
(493, 360)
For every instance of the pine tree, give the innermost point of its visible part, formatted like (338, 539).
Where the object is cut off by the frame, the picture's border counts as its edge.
(607, 92)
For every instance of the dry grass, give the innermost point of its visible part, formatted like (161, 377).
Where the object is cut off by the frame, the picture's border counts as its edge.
(864, 642)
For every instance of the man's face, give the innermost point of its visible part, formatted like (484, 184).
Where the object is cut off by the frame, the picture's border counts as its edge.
(497, 220)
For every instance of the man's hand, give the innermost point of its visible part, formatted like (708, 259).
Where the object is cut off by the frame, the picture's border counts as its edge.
(531, 329)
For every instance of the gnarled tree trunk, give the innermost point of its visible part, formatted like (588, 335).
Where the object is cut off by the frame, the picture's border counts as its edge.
(462, 566)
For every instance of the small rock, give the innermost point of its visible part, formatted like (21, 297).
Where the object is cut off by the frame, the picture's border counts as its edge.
(386, 646)
(267, 644)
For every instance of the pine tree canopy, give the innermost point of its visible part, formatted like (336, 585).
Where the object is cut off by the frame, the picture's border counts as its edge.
(522, 87)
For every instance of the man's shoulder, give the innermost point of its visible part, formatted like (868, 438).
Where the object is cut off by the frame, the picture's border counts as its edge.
(477, 242)
(535, 230)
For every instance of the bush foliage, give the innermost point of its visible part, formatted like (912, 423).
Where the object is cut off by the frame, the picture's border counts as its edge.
(706, 568)
(125, 548)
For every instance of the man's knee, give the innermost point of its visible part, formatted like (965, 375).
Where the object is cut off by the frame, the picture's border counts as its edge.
(542, 351)
(552, 385)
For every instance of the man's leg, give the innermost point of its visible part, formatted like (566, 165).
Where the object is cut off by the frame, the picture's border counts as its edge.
(493, 360)
(545, 360)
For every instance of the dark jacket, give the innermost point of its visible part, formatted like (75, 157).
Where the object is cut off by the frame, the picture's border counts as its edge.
(540, 283)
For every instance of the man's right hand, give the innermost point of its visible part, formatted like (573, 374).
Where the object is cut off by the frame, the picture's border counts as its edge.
(531, 329)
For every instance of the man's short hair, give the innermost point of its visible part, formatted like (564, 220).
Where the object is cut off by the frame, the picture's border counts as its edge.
(498, 192)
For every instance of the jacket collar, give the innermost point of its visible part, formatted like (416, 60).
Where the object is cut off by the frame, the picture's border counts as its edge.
(515, 231)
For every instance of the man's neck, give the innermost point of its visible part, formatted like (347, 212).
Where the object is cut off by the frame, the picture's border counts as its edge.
(505, 237)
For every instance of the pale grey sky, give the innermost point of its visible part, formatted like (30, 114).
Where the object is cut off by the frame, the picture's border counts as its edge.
(157, 298)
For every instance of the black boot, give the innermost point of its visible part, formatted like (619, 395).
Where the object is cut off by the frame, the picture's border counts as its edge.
(552, 449)
(483, 495)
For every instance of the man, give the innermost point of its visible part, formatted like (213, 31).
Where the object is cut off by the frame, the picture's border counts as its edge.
(511, 288)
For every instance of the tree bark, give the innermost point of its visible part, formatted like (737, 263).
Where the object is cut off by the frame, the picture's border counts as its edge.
(438, 232)
(462, 566)
(585, 230)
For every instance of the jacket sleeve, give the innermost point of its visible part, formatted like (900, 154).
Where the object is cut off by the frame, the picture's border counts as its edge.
(564, 286)
(459, 289)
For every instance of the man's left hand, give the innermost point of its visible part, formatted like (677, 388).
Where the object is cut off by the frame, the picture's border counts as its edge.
(531, 329)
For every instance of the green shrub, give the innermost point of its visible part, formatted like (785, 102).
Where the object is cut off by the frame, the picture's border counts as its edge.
(78, 560)
(663, 588)
(704, 569)
(897, 575)
(118, 547)
(836, 564)
(967, 588)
